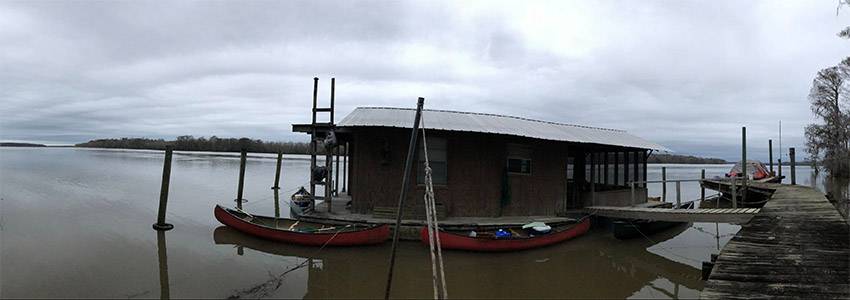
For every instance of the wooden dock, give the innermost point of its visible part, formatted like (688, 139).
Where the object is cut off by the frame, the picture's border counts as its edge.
(721, 215)
(797, 246)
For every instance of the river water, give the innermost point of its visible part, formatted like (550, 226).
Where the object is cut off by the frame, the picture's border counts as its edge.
(77, 223)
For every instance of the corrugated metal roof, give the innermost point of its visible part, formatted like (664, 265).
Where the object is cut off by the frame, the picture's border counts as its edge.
(496, 124)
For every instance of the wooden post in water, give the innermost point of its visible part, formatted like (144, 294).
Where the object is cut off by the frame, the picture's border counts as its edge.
(162, 257)
(242, 160)
(701, 187)
(277, 171)
(770, 155)
(405, 182)
(163, 192)
(663, 184)
(678, 194)
(793, 166)
(734, 193)
(277, 203)
(744, 164)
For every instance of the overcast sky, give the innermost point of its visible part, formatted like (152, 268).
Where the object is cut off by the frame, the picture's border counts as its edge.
(683, 74)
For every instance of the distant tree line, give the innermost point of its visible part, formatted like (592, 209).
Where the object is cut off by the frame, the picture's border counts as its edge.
(15, 144)
(682, 159)
(213, 143)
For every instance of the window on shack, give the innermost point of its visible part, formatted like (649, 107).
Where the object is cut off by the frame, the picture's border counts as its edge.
(436, 159)
(519, 159)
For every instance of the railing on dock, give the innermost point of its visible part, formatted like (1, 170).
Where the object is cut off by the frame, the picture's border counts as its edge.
(664, 192)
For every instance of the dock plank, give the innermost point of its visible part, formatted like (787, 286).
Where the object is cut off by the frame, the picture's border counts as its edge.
(796, 246)
(673, 215)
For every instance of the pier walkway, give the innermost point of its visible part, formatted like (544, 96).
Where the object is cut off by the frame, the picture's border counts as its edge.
(721, 215)
(797, 246)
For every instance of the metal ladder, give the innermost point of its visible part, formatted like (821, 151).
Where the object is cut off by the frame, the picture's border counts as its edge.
(319, 131)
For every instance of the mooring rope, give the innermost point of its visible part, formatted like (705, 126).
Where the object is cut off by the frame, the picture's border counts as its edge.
(433, 227)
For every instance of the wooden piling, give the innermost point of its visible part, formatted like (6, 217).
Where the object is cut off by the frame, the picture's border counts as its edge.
(162, 258)
(242, 160)
(701, 187)
(163, 192)
(770, 155)
(277, 171)
(405, 182)
(793, 166)
(277, 203)
(663, 184)
(678, 194)
(744, 163)
(734, 193)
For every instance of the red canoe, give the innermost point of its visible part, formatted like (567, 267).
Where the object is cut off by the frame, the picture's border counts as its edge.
(300, 232)
(487, 242)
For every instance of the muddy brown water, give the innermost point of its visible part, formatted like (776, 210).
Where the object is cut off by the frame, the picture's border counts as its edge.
(77, 223)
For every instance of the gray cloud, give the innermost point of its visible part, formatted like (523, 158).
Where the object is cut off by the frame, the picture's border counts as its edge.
(684, 74)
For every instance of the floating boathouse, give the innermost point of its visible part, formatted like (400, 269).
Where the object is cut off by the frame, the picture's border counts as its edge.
(484, 165)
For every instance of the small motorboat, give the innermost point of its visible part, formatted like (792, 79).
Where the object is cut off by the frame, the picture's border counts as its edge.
(756, 171)
(518, 239)
(627, 229)
(301, 232)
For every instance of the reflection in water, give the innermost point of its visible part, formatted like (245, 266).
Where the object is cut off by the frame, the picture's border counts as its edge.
(577, 270)
(98, 257)
(162, 256)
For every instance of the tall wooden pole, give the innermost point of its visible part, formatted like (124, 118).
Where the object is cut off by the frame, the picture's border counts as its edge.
(242, 159)
(744, 163)
(405, 181)
(163, 192)
(793, 166)
(277, 171)
(770, 155)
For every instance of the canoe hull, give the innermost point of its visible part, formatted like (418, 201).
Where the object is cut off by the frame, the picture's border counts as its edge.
(369, 236)
(460, 242)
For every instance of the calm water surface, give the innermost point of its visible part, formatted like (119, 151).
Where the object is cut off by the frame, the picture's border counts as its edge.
(77, 223)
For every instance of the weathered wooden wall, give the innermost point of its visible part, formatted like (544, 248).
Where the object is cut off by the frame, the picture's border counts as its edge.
(476, 164)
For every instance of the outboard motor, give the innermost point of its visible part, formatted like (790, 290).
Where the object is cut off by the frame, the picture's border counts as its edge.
(319, 173)
(330, 141)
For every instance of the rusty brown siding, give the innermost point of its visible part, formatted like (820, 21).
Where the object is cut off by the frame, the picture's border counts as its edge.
(476, 163)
